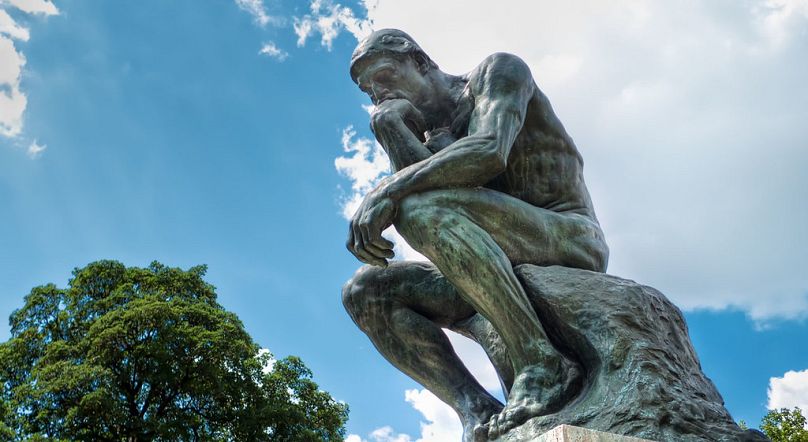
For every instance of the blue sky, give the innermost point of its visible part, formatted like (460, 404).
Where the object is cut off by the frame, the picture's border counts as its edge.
(207, 132)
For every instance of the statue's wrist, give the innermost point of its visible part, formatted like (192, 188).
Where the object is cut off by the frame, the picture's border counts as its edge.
(383, 188)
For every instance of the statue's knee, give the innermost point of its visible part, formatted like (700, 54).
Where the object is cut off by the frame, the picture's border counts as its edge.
(418, 214)
(592, 255)
(360, 294)
(602, 257)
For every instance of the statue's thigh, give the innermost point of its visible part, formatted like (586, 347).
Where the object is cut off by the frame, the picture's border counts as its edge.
(526, 233)
(421, 287)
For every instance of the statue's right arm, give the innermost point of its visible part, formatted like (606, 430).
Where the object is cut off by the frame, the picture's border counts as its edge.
(398, 126)
(502, 86)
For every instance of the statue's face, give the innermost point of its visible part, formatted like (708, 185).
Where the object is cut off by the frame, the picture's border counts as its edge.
(385, 77)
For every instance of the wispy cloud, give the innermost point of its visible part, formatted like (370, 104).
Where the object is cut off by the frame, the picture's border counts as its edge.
(12, 99)
(258, 10)
(44, 7)
(273, 51)
(329, 19)
(364, 166)
(788, 391)
(35, 149)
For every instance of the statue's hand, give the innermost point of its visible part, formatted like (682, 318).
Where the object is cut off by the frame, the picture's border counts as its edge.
(365, 239)
(393, 110)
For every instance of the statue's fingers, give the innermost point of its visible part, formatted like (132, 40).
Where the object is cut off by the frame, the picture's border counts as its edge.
(367, 240)
(349, 243)
(356, 247)
(380, 252)
(375, 238)
(362, 253)
(364, 232)
(364, 256)
(385, 243)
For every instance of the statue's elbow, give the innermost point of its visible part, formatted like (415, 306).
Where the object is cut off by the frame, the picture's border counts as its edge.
(497, 160)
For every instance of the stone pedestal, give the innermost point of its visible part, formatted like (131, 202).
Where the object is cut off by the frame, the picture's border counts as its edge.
(568, 433)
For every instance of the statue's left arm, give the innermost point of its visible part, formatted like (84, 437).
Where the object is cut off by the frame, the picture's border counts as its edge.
(502, 86)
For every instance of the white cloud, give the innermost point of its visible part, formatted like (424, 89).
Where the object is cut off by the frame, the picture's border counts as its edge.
(271, 50)
(367, 164)
(442, 424)
(35, 149)
(10, 28)
(329, 19)
(381, 434)
(690, 118)
(44, 7)
(386, 434)
(13, 100)
(258, 10)
(789, 391)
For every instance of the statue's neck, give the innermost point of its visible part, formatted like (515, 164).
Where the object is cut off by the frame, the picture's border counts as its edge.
(439, 108)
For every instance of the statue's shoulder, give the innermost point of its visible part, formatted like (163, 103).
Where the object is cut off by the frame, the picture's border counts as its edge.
(500, 70)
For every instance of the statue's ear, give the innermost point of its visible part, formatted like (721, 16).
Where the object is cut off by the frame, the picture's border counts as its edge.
(422, 62)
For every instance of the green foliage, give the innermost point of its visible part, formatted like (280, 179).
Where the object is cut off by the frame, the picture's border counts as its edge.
(785, 425)
(147, 354)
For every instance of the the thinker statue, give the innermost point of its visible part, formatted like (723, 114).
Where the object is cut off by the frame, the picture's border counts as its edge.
(485, 179)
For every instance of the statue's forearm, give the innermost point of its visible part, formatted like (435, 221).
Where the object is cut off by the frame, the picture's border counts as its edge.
(402, 145)
(468, 162)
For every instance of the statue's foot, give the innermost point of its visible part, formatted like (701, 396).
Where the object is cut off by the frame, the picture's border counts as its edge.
(536, 391)
(477, 419)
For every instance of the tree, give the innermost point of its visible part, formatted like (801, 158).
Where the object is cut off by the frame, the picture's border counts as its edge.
(146, 354)
(785, 425)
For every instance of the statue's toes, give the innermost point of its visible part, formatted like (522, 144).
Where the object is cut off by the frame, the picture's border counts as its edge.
(511, 418)
(514, 417)
(481, 433)
(493, 427)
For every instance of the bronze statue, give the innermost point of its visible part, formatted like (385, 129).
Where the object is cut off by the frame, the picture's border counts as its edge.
(485, 179)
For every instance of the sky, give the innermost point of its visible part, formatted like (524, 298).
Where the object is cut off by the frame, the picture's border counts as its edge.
(229, 133)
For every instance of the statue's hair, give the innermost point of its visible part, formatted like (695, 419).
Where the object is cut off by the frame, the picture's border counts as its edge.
(391, 42)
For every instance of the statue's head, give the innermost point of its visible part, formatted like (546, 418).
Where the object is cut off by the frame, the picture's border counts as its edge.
(389, 61)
